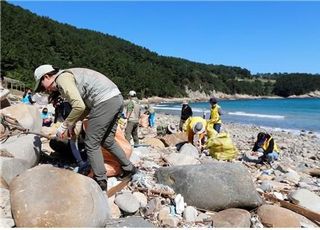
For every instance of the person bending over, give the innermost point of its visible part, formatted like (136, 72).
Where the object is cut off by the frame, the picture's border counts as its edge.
(89, 93)
(266, 146)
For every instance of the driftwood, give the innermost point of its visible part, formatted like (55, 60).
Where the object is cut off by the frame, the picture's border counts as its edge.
(315, 217)
(119, 186)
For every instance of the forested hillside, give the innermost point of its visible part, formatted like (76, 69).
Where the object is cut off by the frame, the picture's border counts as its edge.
(28, 40)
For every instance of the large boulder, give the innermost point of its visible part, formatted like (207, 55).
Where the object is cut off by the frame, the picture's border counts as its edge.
(46, 196)
(21, 152)
(174, 139)
(214, 186)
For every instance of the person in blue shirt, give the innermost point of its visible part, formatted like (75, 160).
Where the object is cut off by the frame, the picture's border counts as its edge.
(27, 97)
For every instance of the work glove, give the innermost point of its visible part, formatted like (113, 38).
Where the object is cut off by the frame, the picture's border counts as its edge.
(62, 131)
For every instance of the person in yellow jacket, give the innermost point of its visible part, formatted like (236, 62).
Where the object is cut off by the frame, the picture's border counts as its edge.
(215, 114)
(196, 130)
(267, 146)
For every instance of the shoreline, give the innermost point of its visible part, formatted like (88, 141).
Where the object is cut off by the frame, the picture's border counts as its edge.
(198, 97)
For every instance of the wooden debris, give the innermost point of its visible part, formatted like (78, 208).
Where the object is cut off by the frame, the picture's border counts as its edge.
(119, 186)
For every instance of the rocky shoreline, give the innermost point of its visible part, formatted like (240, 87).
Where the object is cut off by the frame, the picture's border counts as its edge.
(196, 96)
(171, 187)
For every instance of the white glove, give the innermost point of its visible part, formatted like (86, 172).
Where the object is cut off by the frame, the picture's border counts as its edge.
(62, 131)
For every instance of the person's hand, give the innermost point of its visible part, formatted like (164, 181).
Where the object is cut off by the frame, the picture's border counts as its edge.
(62, 131)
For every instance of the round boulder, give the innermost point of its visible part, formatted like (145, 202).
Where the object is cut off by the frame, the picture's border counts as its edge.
(46, 196)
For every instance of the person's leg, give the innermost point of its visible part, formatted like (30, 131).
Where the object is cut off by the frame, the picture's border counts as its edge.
(217, 127)
(153, 118)
(181, 124)
(272, 157)
(128, 130)
(109, 142)
(101, 119)
(135, 133)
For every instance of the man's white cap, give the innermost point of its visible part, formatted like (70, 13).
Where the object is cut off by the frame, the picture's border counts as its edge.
(40, 72)
(132, 93)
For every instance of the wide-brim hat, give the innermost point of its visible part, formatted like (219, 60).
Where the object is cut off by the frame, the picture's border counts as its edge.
(198, 128)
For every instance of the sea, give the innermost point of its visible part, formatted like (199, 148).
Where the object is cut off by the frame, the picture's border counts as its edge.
(288, 114)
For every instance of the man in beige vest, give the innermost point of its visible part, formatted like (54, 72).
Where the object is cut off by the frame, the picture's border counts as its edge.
(133, 115)
(89, 93)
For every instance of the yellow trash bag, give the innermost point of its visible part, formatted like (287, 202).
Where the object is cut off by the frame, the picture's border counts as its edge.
(220, 147)
(211, 132)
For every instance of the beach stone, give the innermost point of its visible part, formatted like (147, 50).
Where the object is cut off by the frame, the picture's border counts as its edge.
(315, 172)
(181, 159)
(306, 198)
(11, 167)
(134, 158)
(305, 222)
(154, 205)
(189, 149)
(142, 199)
(46, 196)
(232, 218)
(130, 222)
(203, 217)
(277, 217)
(127, 202)
(214, 186)
(154, 142)
(115, 211)
(5, 207)
(164, 213)
(174, 139)
(171, 222)
(6, 223)
(190, 214)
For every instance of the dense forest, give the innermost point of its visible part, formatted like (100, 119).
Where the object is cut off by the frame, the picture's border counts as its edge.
(28, 40)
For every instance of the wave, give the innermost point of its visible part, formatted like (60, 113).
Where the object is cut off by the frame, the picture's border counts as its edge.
(256, 115)
(179, 108)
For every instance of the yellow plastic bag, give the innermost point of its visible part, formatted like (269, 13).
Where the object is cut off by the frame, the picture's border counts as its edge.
(220, 147)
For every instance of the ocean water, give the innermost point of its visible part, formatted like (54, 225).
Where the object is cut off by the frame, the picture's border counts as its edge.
(294, 114)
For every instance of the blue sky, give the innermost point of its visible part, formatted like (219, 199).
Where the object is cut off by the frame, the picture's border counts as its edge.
(260, 36)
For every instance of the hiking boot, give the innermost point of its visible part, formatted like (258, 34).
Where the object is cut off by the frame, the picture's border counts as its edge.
(125, 172)
(103, 184)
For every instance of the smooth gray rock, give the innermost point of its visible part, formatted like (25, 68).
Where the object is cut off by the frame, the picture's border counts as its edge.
(214, 186)
(46, 196)
(130, 222)
(190, 214)
(127, 202)
(181, 159)
(306, 198)
(189, 149)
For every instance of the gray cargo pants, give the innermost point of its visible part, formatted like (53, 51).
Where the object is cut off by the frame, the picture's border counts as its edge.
(132, 129)
(102, 126)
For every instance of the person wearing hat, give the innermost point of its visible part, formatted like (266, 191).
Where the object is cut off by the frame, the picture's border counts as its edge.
(196, 130)
(133, 116)
(186, 112)
(89, 93)
(215, 114)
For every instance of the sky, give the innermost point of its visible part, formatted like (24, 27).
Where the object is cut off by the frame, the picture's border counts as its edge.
(261, 36)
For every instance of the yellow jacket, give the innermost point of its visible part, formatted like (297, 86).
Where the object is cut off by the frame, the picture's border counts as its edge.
(215, 115)
(190, 123)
